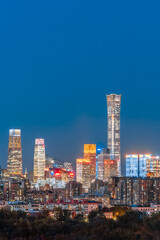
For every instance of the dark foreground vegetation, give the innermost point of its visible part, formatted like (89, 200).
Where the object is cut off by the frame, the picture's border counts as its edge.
(130, 226)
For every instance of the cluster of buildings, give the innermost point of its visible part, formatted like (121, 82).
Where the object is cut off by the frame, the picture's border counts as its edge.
(104, 163)
(48, 180)
(98, 179)
(99, 170)
(142, 165)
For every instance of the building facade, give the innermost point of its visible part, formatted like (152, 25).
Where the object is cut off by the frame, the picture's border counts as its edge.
(104, 154)
(14, 163)
(106, 167)
(132, 165)
(142, 165)
(79, 168)
(110, 169)
(39, 160)
(73, 189)
(90, 154)
(113, 109)
(153, 166)
(83, 173)
(135, 191)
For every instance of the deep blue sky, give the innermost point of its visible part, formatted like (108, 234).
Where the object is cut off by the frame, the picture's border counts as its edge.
(58, 59)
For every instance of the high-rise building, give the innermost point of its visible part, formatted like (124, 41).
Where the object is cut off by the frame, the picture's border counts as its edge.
(153, 166)
(104, 155)
(132, 165)
(110, 169)
(113, 109)
(14, 163)
(131, 191)
(142, 165)
(90, 154)
(39, 160)
(107, 167)
(83, 173)
(79, 168)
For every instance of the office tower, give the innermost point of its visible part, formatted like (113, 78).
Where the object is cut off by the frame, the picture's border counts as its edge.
(83, 173)
(142, 165)
(39, 159)
(153, 166)
(104, 154)
(90, 154)
(143, 159)
(132, 165)
(14, 163)
(79, 168)
(110, 169)
(113, 109)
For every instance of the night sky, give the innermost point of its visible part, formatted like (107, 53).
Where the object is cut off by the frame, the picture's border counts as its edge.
(58, 60)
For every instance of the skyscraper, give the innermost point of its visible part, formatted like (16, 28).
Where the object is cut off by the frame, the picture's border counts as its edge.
(104, 154)
(153, 166)
(110, 169)
(113, 108)
(39, 160)
(83, 173)
(142, 165)
(90, 154)
(79, 168)
(132, 165)
(14, 163)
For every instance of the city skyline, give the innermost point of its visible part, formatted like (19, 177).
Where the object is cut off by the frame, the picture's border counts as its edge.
(79, 97)
(101, 145)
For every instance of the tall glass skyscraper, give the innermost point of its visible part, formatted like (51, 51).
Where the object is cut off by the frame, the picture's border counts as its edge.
(14, 163)
(113, 109)
(39, 160)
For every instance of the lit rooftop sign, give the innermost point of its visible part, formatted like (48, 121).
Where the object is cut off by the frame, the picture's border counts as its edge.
(39, 141)
(14, 132)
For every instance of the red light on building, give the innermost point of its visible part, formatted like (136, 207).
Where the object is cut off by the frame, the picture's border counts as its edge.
(112, 162)
(71, 174)
(57, 174)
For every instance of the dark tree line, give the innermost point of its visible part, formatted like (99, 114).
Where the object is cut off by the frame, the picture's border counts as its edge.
(129, 225)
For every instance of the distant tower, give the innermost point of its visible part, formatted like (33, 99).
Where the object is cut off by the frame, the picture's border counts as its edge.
(39, 160)
(14, 163)
(113, 108)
